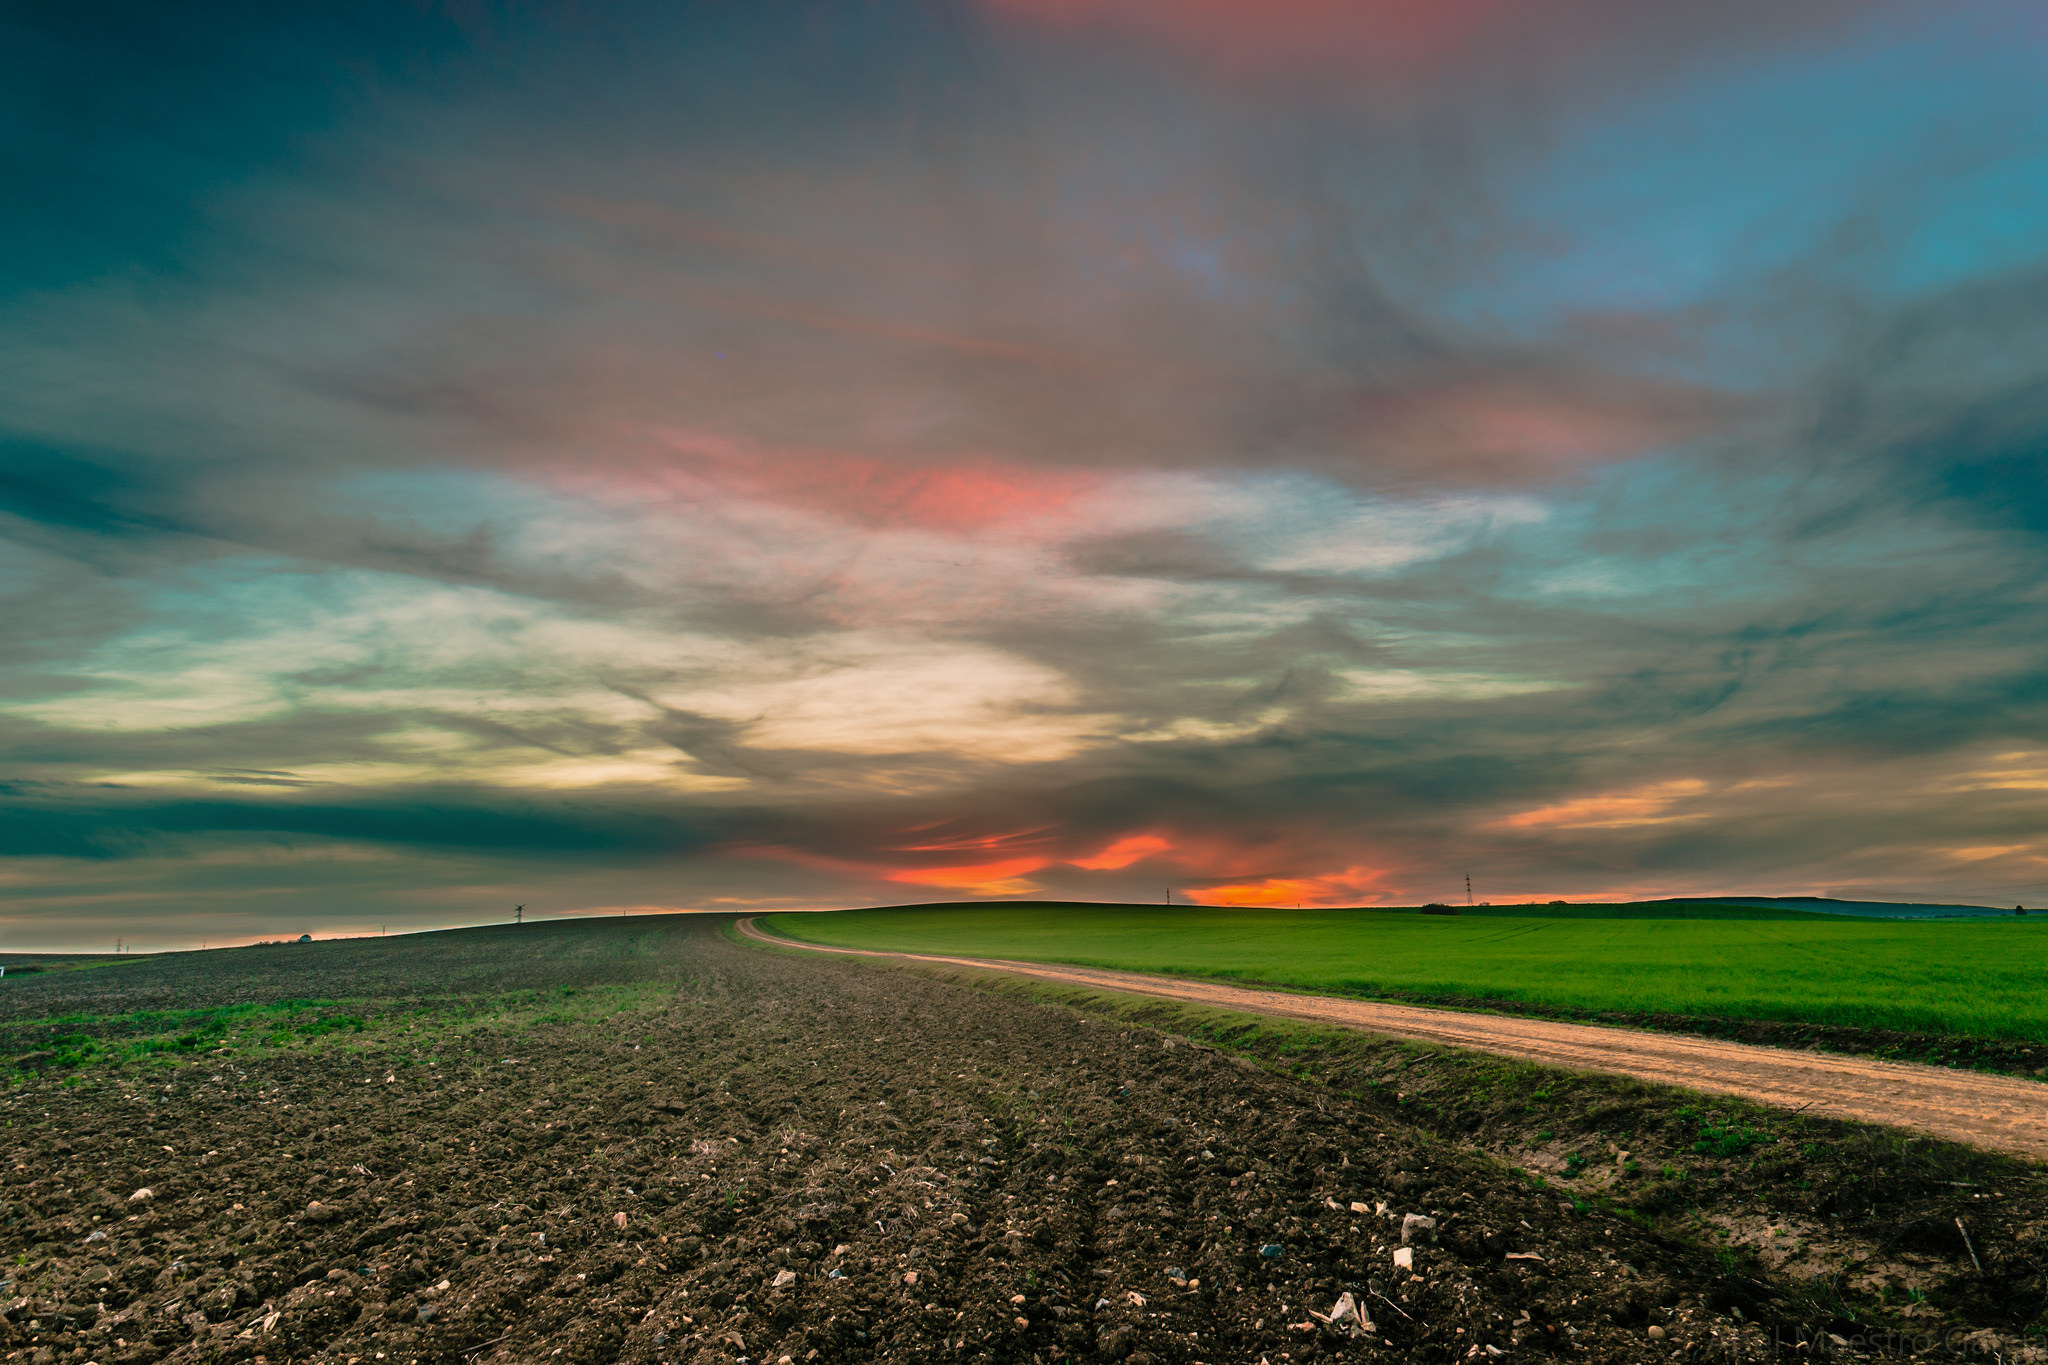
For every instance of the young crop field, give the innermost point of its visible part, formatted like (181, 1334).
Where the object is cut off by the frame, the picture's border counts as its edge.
(1970, 978)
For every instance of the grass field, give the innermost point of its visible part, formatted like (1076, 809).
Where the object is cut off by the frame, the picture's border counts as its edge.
(1984, 978)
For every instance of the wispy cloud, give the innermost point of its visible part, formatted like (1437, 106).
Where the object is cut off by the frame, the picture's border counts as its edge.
(1073, 448)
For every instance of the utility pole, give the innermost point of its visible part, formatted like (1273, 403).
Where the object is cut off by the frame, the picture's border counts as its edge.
(1468, 888)
(519, 914)
(1169, 895)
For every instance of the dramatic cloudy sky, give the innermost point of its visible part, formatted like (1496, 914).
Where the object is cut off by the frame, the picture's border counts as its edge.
(760, 455)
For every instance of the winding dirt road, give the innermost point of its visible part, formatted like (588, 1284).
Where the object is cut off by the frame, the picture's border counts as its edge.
(1997, 1112)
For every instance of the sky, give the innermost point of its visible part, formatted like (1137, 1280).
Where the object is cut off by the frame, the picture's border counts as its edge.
(608, 458)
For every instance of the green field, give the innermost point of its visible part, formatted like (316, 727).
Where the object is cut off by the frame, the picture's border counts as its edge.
(1985, 978)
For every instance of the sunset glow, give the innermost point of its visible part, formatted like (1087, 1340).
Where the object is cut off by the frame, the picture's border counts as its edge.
(1005, 878)
(1124, 852)
(1353, 886)
(1302, 452)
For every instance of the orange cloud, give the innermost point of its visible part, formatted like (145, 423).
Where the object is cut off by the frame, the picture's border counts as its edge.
(1124, 852)
(1348, 887)
(1003, 878)
(980, 879)
(1611, 810)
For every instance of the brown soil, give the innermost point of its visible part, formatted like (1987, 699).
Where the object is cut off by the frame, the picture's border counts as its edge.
(763, 1156)
(2001, 1112)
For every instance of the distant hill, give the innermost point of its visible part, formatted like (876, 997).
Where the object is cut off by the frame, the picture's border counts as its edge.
(1736, 907)
(1869, 909)
(1675, 907)
(1671, 909)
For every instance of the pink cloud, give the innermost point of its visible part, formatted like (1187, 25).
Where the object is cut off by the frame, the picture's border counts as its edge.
(1512, 430)
(1263, 35)
(971, 493)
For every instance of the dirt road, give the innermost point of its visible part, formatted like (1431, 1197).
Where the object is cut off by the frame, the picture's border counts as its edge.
(1997, 1112)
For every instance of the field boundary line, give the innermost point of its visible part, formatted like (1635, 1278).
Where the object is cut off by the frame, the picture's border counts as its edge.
(1999, 1113)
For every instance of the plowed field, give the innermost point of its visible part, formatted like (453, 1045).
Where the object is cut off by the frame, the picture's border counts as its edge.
(642, 1141)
